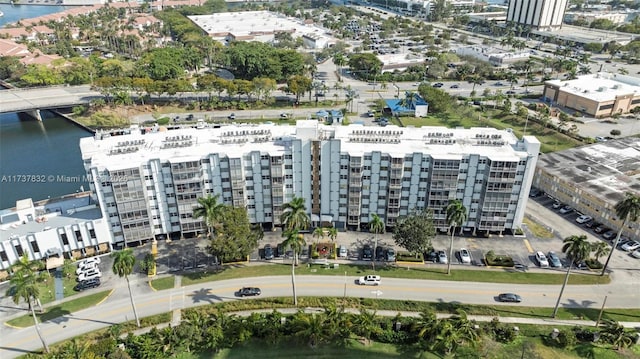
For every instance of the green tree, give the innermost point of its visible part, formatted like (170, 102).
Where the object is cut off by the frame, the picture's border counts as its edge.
(210, 210)
(123, 263)
(299, 84)
(295, 241)
(236, 237)
(24, 285)
(333, 233)
(366, 64)
(376, 226)
(456, 216)
(41, 75)
(294, 215)
(439, 101)
(628, 209)
(415, 231)
(600, 249)
(309, 328)
(577, 249)
(318, 233)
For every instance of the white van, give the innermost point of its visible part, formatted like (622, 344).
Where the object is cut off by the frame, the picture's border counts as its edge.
(342, 252)
(200, 124)
(369, 280)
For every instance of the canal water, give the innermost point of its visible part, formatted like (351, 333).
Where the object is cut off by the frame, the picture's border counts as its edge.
(15, 13)
(39, 159)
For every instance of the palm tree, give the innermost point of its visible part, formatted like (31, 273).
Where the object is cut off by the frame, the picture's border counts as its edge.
(629, 209)
(376, 226)
(310, 328)
(333, 233)
(456, 216)
(24, 286)
(615, 334)
(294, 215)
(123, 262)
(425, 327)
(210, 211)
(295, 241)
(577, 249)
(318, 233)
(600, 249)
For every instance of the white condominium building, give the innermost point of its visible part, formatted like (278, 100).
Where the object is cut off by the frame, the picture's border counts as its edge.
(148, 184)
(545, 15)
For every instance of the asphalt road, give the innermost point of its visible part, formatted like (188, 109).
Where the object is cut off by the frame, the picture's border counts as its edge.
(117, 308)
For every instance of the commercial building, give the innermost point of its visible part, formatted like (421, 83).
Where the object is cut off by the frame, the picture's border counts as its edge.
(546, 15)
(495, 56)
(260, 26)
(52, 230)
(599, 95)
(593, 178)
(148, 183)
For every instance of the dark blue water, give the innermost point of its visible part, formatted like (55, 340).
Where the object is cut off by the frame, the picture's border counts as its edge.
(38, 150)
(18, 12)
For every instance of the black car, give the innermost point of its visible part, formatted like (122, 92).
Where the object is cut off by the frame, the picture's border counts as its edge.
(190, 117)
(367, 253)
(432, 256)
(509, 298)
(268, 252)
(87, 284)
(379, 253)
(600, 229)
(248, 292)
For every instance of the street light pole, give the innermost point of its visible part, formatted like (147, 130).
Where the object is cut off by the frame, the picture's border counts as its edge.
(344, 295)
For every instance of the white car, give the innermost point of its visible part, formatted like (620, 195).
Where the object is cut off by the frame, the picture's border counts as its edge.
(342, 252)
(89, 274)
(465, 256)
(369, 280)
(566, 209)
(636, 254)
(630, 246)
(542, 259)
(91, 260)
(86, 266)
(583, 219)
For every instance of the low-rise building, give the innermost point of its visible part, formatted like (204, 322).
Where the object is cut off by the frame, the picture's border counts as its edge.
(599, 95)
(593, 178)
(494, 56)
(71, 227)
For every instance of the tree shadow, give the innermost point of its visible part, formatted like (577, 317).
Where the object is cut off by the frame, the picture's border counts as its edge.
(56, 315)
(204, 295)
(452, 307)
(581, 310)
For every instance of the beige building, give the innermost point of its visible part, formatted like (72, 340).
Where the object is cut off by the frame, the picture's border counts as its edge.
(593, 178)
(598, 95)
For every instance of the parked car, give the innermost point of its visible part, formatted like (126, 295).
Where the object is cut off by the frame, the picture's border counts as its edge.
(190, 117)
(554, 260)
(87, 284)
(232, 116)
(454, 86)
(367, 253)
(593, 224)
(379, 253)
(622, 242)
(535, 193)
(610, 234)
(635, 254)
(87, 261)
(83, 267)
(390, 255)
(371, 114)
(284, 116)
(601, 229)
(584, 219)
(509, 298)
(342, 252)
(432, 256)
(369, 280)
(89, 274)
(465, 257)
(442, 257)
(556, 205)
(566, 209)
(268, 252)
(630, 246)
(542, 259)
(248, 292)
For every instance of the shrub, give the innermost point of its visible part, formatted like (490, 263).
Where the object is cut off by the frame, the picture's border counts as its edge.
(501, 260)
(163, 121)
(593, 264)
(408, 257)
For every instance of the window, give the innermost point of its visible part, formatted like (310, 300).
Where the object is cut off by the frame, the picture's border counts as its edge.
(64, 238)
(92, 233)
(19, 250)
(3, 256)
(34, 246)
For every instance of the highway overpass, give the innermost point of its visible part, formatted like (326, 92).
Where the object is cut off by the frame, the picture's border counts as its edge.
(32, 100)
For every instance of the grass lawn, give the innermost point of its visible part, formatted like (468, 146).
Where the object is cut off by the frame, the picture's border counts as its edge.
(162, 283)
(414, 272)
(48, 291)
(538, 230)
(353, 349)
(61, 309)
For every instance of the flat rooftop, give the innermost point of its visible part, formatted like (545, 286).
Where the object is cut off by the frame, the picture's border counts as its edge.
(602, 86)
(192, 144)
(606, 170)
(254, 23)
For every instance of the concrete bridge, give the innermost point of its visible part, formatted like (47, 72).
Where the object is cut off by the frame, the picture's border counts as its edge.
(32, 100)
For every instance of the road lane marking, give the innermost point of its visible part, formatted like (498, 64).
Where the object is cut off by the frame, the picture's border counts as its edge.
(528, 245)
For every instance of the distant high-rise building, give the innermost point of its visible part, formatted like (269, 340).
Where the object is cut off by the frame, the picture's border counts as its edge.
(538, 14)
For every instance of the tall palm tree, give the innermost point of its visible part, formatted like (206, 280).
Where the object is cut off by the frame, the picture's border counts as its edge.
(123, 262)
(210, 211)
(600, 249)
(577, 249)
(376, 226)
(294, 215)
(333, 233)
(456, 216)
(24, 286)
(295, 241)
(629, 209)
(318, 233)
